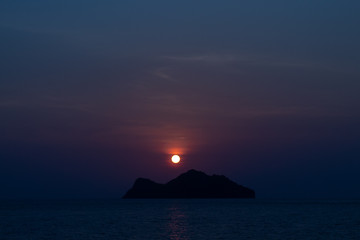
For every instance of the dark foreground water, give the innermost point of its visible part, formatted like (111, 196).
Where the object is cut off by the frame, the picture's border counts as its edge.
(180, 219)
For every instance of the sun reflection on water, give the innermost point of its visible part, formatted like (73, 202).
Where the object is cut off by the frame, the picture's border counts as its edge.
(178, 224)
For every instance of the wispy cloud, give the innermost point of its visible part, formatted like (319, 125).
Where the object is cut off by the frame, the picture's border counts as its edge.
(45, 102)
(244, 59)
(161, 73)
(203, 58)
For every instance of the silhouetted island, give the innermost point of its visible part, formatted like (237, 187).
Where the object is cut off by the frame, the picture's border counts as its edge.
(192, 184)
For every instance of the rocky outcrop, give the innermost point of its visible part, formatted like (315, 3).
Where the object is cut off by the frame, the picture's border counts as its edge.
(192, 184)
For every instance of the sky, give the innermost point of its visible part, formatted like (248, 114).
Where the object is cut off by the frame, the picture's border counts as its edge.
(94, 94)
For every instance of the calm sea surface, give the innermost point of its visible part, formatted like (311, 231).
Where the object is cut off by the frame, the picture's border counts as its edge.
(180, 219)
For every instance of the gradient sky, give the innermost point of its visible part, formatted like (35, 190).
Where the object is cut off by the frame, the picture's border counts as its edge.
(94, 94)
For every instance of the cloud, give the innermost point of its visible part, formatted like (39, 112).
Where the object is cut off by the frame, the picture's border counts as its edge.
(244, 59)
(203, 58)
(46, 102)
(161, 73)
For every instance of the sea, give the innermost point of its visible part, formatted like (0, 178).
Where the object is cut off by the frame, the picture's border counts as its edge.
(179, 219)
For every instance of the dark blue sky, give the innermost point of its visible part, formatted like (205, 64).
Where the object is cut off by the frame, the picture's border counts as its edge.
(96, 93)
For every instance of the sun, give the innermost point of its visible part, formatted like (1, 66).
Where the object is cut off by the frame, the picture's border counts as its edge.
(175, 159)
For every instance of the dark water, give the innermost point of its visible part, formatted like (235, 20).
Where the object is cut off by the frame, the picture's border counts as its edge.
(180, 219)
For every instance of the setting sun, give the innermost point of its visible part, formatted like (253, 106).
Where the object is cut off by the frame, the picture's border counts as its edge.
(175, 159)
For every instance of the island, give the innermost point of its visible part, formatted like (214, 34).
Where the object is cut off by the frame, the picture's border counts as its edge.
(192, 184)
